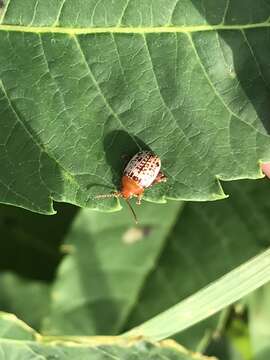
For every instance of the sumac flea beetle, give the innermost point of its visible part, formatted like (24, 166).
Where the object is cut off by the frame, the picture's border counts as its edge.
(141, 172)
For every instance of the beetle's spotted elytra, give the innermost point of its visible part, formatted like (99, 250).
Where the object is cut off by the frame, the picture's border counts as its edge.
(141, 172)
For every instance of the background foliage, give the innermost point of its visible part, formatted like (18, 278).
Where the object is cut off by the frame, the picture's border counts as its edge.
(82, 85)
(112, 275)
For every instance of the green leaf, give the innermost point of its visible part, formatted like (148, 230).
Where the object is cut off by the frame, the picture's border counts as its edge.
(75, 351)
(259, 320)
(107, 263)
(29, 300)
(208, 301)
(97, 351)
(83, 83)
(23, 343)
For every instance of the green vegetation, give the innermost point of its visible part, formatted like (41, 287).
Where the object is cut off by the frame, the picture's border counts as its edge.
(86, 84)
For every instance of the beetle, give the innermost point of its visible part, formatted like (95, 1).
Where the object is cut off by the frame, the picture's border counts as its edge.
(141, 172)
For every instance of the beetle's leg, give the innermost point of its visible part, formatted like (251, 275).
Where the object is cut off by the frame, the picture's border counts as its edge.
(116, 194)
(139, 199)
(161, 177)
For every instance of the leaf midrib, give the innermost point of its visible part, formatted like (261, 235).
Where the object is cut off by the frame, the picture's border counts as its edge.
(131, 30)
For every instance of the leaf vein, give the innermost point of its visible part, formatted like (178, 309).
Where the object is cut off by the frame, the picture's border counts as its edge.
(5, 11)
(132, 30)
(56, 23)
(225, 12)
(119, 23)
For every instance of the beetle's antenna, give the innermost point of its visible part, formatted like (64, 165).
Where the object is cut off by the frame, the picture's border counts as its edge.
(133, 212)
(115, 194)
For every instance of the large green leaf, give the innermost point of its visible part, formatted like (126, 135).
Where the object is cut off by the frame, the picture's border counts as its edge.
(108, 261)
(82, 83)
(22, 343)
